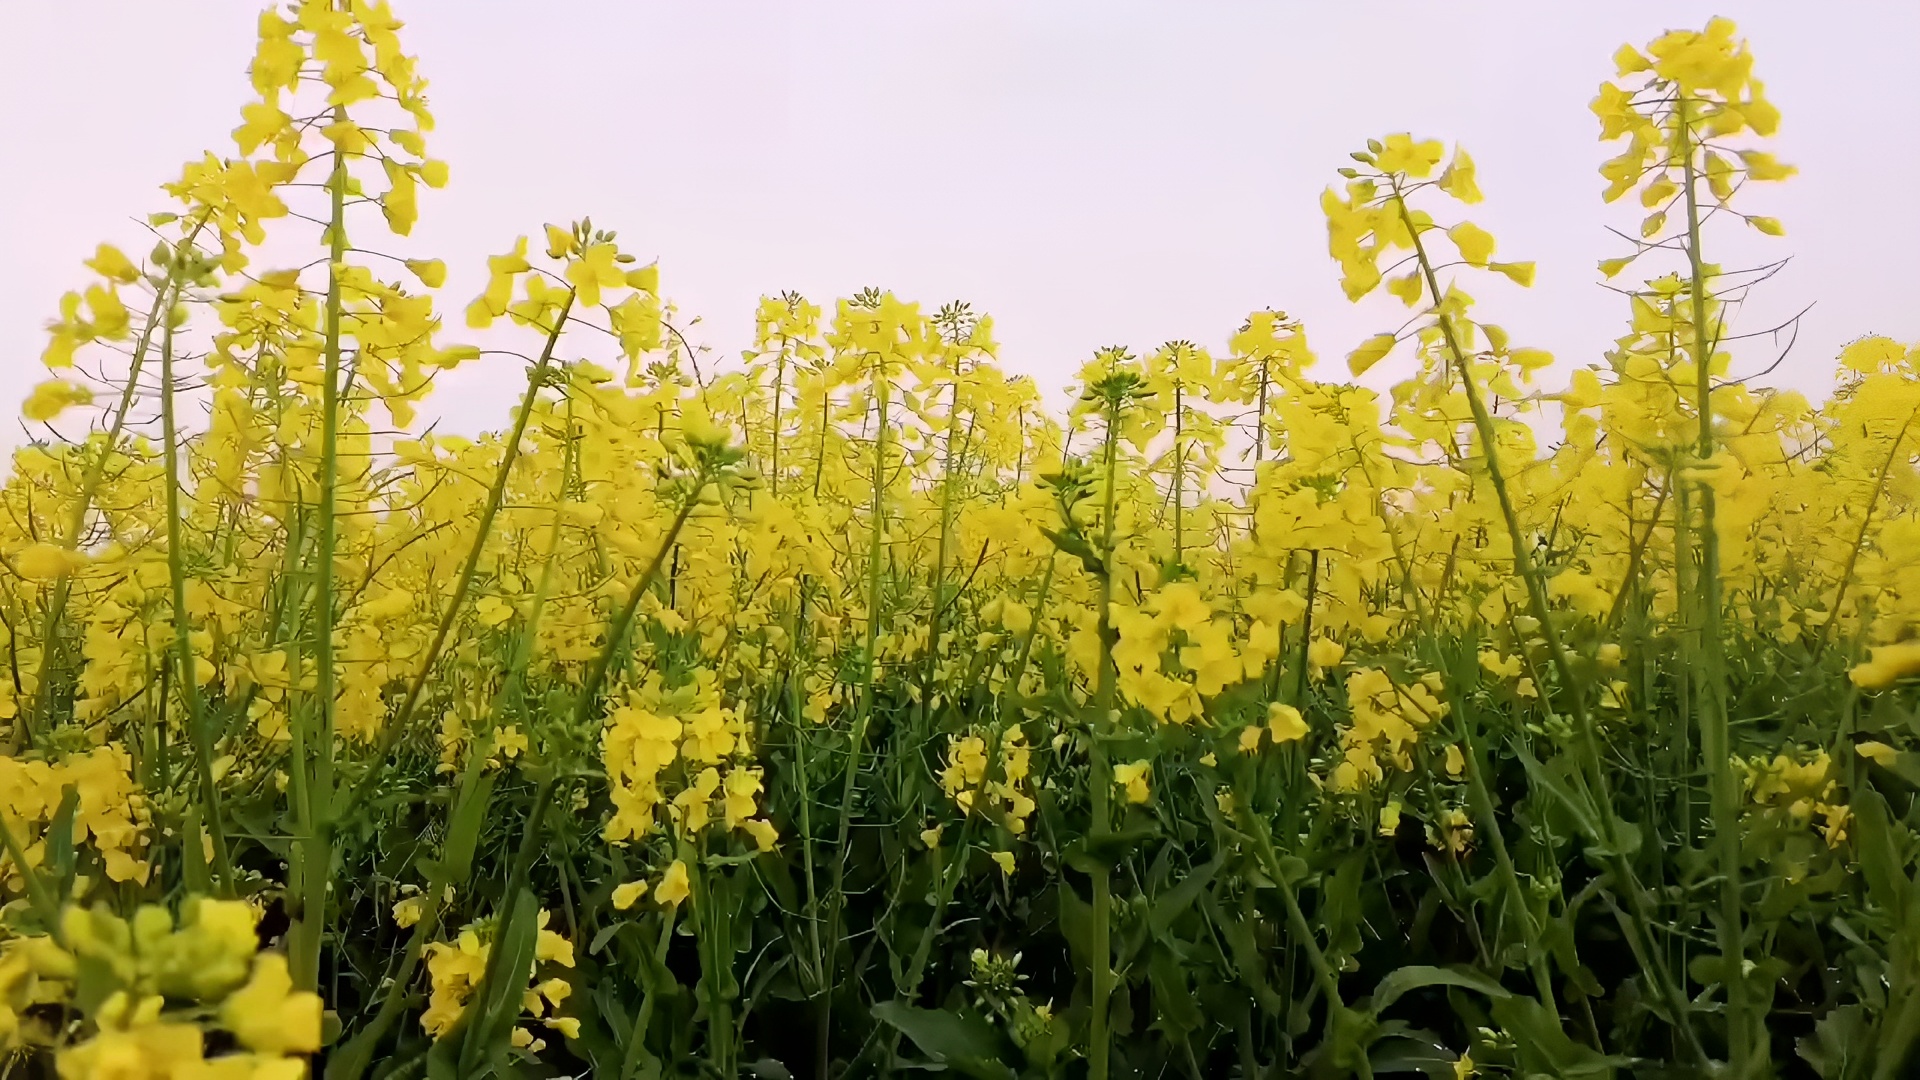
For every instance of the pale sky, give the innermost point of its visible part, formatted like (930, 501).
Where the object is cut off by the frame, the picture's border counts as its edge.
(1088, 173)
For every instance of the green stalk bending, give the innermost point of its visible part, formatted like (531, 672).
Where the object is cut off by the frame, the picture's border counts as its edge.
(496, 494)
(90, 484)
(1479, 794)
(616, 633)
(1641, 915)
(1860, 537)
(1324, 976)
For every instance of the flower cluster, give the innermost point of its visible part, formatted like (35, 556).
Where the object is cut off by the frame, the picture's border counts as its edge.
(458, 968)
(144, 983)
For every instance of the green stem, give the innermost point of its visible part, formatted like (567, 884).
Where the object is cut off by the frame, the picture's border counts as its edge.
(183, 658)
(1479, 794)
(1306, 630)
(875, 548)
(716, 969)
(794, 709)
(1525, 568)
(1100, 773)
(585, 704)
(930, 666)
(1860, 538)
(1179, 473)
(1485, 811)
(779, 395)
(517, 874)
(397, 724)
(1260, 423)
(315, 847)
(1710, 678)
(636, 1054)
(37, 894)
(1300, 930)
(352, 1059)
(950, 879)
(89, 485)
(1636, 556)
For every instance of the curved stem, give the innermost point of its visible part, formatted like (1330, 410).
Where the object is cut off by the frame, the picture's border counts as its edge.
(617, 632)
(396, 725)
(1323, 972)
(1529, 573)
(1860, 538)
(89, 485)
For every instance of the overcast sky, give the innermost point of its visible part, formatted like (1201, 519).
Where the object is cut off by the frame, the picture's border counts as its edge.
(1088, 173)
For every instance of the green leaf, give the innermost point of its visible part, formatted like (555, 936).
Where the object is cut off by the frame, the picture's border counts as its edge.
(1542, 1045)
(1906, 765)
(1108, 849)
(1398, 1049)
(95, 976)
(1349, 1031)
(1075, 545)
(1339, 907)
(1879, 854)
(1402, 980)
(1885, 713)
(1838, 1047)
(1172, 997)
(1251, 966)
(605, 935)
(60, 854)
(961, 1041)
(502, 990)
(464, 821)
(1557, 937)
(777, 874)
(1626, 841)
(1294, 869)
(1170, 905)
(654, 975)
(1574, 805)
(1076, 917)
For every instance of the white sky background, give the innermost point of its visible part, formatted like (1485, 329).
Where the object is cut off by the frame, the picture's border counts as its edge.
(1087, 173)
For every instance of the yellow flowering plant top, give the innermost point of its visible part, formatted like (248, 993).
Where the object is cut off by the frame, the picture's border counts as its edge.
(843, 710)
